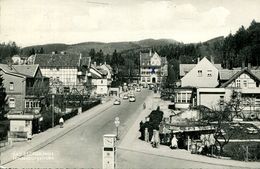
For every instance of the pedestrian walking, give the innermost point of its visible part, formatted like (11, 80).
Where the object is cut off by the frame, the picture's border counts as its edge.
(174, 142)
(61, 121)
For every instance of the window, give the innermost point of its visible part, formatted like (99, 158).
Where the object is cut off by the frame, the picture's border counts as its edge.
(257, 84)
(11, 85)
(188, 97)
(209, 73)
(101, 82)
(12, 103)
(183, 97)
(237, 83)
(143, 79)
(199, 73)
(27, 123)
(179, 97)
(245, 83)
(27, 104)
(221, 100)
(148, 79)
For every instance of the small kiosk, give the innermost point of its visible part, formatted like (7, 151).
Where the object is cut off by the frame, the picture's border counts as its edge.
(109, 151)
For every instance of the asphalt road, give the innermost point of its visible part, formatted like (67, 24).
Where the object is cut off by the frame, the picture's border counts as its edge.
(82, 147)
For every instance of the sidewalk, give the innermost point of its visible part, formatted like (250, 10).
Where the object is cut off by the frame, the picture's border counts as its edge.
(40, 140)
(132, 143)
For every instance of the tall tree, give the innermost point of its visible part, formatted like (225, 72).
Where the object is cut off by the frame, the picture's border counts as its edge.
(2, 98)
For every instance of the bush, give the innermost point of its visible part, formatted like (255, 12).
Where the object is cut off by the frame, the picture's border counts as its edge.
(237, 151)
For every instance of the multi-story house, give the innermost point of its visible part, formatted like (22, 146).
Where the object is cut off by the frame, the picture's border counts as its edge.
(245, 82)
(109, 71)
(193, 76)
(99, 80)
(153, 68)
(66, 71)
(25, 88)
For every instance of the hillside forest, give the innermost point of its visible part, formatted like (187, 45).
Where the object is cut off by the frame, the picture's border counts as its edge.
(230, 51)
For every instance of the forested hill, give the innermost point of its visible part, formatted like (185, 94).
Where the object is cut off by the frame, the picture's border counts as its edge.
(107, 48)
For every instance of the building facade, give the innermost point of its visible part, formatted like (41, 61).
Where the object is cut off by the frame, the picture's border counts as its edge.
(25, 88)
(153, 68)
(99, 80)
(66, 71)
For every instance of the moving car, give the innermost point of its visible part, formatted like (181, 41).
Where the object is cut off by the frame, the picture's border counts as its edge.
(132, 99)
(117, 102)
(125, 97)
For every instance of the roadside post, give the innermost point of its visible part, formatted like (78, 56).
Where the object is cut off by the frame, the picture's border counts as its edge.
(109, 151)
(117, 123)
(52, 114)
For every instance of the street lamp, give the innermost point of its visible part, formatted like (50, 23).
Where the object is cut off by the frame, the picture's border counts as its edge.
(117, 123)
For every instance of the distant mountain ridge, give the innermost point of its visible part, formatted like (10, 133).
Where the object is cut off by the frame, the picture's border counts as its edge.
(107, 48)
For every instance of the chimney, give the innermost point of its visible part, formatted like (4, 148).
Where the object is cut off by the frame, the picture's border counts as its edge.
(249, 66)
(95, 64)
(243, 65)
(212, 59)
(198, 60)
(150, 54)
(105, 63)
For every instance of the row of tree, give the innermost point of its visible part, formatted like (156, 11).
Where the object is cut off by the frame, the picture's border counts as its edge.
(7, 50)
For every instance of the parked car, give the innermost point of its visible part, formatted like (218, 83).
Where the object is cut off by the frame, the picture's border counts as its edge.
(132, 99)
(117, 102)
(125, 97)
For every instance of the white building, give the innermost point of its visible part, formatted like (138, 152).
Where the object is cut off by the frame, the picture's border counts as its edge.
(153, 68)
(64, 70)
(99, 80)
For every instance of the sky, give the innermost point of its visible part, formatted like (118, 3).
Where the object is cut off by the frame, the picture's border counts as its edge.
(34, 22)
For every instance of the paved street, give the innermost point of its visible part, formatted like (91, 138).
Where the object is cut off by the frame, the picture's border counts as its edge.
(82, 147)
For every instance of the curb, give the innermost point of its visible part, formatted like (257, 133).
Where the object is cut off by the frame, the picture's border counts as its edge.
(58, 135)
(184, 159)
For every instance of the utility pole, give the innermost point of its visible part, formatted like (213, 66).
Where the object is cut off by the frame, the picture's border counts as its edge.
(52, 115)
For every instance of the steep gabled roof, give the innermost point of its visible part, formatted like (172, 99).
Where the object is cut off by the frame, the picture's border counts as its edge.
(237, 74)
(10, 69)
(226, 74)
(28, 70)
(57, 60)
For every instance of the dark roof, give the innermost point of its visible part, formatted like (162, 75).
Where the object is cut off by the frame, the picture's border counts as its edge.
(20, 70)
(28, 70)
(146, 57)
(226, 74)
(237, 74)
(57, 60)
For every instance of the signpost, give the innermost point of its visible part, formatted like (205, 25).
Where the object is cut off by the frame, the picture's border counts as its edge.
(117, 123)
